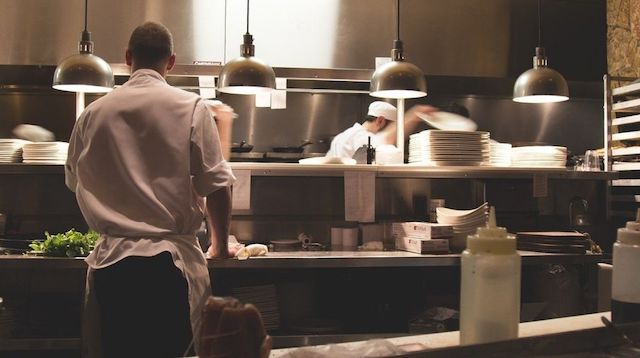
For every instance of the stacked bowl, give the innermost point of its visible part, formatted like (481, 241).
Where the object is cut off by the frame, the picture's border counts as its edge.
(464, 222)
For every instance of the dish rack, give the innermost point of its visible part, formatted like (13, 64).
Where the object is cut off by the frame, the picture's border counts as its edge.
(622, 144)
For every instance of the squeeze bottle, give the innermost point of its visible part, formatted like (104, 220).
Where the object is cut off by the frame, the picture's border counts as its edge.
(625, 280)
(490, 286)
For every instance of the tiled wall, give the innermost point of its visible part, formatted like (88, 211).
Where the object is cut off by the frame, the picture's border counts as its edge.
(623, 43)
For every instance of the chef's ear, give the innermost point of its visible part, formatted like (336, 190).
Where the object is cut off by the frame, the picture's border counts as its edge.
(172, 62)
(128, 57)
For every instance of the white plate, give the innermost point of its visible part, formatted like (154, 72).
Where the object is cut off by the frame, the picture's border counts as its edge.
(448, 121)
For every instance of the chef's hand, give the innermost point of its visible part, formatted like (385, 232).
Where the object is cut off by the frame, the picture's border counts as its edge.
(212, 253)
(222, 113)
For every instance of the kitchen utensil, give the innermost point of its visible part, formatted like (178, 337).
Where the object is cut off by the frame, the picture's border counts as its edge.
(241, 147)
(286, 245)
(293, 149)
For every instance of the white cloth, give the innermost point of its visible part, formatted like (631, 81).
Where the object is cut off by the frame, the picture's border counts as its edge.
(140, 161)
(345, 144)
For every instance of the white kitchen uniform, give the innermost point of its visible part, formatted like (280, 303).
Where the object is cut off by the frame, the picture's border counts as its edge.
(140, 161)
(345, 144)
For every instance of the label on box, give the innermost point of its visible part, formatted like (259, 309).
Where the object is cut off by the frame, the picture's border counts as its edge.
(422, 230)
(422, 246)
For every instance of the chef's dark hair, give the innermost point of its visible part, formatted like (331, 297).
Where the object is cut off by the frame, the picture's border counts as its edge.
(150, 44)
(369, 119)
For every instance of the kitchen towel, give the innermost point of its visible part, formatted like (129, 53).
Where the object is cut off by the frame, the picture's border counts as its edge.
(360, 196)
(242, 190)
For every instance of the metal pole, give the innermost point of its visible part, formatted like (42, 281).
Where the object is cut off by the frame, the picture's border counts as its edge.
(607, 122)
(400, 128)
(79, 104)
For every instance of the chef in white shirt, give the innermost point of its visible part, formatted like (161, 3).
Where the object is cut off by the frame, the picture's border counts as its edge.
(379, 126)
(142, 160)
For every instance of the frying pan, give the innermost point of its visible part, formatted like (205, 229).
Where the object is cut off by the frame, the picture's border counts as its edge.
(241, 147)
(298, 149)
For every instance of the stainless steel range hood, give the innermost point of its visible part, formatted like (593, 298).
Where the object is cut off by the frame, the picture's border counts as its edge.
(462, 38)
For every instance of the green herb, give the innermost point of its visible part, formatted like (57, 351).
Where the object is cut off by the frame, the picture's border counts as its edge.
(69, 244)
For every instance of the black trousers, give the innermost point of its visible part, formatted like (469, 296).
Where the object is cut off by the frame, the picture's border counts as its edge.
(144, 308)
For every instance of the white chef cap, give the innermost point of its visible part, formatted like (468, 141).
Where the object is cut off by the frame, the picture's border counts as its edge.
(384, 109)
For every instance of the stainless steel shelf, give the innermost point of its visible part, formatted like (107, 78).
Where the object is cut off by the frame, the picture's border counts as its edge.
(383, 171)
(419, 171)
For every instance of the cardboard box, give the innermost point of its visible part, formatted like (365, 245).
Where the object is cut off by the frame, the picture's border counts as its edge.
(422, 246)
(422, 230)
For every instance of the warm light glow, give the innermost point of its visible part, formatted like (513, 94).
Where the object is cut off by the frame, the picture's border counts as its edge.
(245, 90)
(398, 94)
(540, 99)
(83, 88)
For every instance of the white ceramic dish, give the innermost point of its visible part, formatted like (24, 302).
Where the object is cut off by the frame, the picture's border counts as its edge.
(327, 160)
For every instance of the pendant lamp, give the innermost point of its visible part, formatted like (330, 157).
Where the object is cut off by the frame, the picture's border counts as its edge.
(246, 74)
(84, 72)
(540, 84)
(398, 79)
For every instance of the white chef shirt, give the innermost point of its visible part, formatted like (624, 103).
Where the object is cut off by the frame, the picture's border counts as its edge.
(140, 161)
(345, 144)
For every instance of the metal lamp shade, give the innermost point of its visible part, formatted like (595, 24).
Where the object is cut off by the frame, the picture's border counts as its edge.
(398, 79)
(83, 72)
(540, 85)
(246, 75)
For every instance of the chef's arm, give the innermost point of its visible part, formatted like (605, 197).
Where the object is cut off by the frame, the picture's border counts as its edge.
(218, 222)
(411, 123)
(223, 116)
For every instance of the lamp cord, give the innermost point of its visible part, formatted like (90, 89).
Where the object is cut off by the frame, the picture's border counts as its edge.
(539, 25)
(86, 4)
(247, 16)
(398, 20)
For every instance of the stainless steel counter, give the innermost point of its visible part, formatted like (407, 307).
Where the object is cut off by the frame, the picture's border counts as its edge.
(314, 259)
(384, 171)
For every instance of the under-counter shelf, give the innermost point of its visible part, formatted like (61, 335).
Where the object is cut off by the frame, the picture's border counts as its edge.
(39, 344)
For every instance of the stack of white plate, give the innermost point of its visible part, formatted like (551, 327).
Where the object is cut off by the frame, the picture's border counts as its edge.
(539, 156)
(464, 222)
(500, 154)
(11, 150)
(45, 152)
(440, 147)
